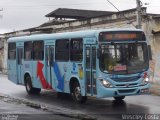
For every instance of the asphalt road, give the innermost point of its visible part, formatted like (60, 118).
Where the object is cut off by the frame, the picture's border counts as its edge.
(10, 111)
(146, 106)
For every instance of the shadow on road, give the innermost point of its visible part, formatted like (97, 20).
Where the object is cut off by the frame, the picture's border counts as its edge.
(92, 106)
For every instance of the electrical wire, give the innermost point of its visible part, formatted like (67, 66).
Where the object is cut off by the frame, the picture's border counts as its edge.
(120, 11)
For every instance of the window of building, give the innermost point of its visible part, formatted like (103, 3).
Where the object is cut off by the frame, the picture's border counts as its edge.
(76, 50)
(62, 50)
(38, 50)
(28, 50)
(12, 51)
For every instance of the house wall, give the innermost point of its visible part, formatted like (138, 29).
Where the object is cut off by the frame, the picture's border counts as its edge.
(1, 59)
(1, 53)
(5, 56)
(151, 24)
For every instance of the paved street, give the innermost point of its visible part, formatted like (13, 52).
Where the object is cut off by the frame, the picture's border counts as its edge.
(101, 109)
(10, 111)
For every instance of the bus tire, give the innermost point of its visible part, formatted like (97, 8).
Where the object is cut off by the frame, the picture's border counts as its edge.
(29, 88)
(120, 98)
(76, 94)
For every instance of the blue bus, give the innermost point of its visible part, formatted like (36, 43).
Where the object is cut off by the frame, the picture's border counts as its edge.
(99, 63)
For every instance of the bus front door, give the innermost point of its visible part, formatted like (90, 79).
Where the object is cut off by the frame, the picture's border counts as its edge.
(90, 51)
(49, 64)
(20, 65)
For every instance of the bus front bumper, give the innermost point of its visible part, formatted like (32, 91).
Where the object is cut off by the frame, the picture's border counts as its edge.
(127, 91)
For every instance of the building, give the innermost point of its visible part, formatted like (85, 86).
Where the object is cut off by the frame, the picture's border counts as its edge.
(1, 52)
(64, 20)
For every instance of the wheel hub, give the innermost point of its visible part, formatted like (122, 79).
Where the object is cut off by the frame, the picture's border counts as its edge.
(27, 86)
(78, 93)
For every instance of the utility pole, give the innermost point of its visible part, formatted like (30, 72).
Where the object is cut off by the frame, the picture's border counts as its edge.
(139, 19)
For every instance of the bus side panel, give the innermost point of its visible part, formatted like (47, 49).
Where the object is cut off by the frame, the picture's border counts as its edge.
(27, 67)
(60, 75)
(77, 71)
(38, 74)
(12, 71)
(64, 71)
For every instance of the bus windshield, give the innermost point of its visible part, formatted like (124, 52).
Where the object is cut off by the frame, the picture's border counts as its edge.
(123, 58)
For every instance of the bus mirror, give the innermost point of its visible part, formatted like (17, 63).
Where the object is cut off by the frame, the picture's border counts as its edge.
(149, 52)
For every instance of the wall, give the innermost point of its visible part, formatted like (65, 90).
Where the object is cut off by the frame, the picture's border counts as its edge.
(4, 70)
(1, 54)
(1, 59)
(149, 25)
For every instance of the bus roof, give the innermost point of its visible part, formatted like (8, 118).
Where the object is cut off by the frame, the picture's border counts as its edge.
(65, 35)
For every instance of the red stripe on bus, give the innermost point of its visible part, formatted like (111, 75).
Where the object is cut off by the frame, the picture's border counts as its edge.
(40, 74)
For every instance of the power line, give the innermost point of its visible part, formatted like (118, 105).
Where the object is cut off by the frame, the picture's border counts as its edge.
(120, 11)
(153, 5)
(113, 6)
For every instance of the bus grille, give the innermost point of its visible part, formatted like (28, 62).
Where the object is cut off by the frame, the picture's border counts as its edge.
(126, 91)
(126, 79)
(127, 85)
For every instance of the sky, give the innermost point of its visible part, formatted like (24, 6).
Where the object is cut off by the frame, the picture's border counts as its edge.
(23, 14)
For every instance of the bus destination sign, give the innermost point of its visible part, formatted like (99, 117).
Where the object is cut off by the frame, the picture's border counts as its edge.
(110, 36)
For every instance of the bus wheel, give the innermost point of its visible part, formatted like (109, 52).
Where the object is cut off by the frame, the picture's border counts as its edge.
(119, 98)
(76, 94)
(29, 88)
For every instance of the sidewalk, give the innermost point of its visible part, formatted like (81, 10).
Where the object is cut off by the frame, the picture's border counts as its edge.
(9, 111)
(10, 108)
(21, 109)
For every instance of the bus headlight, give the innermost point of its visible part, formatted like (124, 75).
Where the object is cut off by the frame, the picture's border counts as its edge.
(145, 81)
(105, 83)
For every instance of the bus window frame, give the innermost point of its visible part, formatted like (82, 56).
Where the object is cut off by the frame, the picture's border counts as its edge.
(13, 50)
(80, 40)
(41, 50)
(31, 58)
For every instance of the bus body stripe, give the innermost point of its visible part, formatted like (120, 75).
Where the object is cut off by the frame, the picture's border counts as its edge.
(60, 78)
(40, 74)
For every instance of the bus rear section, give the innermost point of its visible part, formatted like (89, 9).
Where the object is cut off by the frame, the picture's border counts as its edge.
(12, 62)
(123, 64)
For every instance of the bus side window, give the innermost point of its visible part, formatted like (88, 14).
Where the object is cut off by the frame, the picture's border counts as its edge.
(76, 49)
(62, 50)
(28, 50)
(38, 50)
(12, 51)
